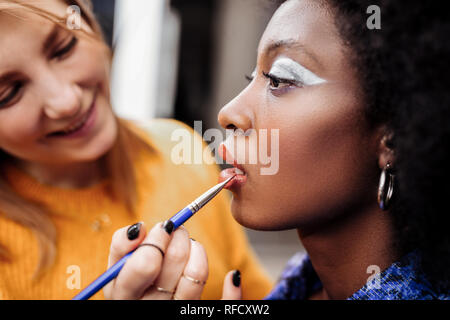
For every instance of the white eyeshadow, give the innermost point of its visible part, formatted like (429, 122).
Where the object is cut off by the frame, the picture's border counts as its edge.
(288, 69)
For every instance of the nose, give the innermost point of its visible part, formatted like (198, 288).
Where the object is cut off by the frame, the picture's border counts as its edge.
(62, 98)
(237, 114)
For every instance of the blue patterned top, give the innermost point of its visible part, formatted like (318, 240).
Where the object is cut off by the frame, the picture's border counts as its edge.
(401, 281)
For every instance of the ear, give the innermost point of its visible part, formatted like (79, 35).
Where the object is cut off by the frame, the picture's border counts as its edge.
(385, 148)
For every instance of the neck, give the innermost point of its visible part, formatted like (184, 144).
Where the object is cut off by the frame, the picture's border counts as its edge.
(342, 252)
(68, 176)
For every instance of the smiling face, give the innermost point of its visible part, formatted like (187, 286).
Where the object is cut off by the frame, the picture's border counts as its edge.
(305, 86)
(54, 90)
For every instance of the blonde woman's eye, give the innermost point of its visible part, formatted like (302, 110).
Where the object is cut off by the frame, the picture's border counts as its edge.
(11, 94)
(61, 53)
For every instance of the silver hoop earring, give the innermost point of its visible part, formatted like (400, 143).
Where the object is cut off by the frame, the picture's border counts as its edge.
(386, 187)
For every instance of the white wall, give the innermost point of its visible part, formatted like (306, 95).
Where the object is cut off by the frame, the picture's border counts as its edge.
(146, 35)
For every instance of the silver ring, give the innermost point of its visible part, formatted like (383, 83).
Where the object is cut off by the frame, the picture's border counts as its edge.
(154, 246)
(194, 280)
(164, 290)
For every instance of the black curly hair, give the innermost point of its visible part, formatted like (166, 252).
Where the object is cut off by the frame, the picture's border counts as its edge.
(404, 69)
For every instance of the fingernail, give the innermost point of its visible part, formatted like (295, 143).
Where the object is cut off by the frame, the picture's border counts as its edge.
(133, 231)
(168, 226)
(237, 278)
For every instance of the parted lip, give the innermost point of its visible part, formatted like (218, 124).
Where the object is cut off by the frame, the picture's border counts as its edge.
(79, 119)
(229, 159)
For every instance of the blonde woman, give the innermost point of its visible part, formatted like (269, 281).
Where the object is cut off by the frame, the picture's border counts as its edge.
(72, 173)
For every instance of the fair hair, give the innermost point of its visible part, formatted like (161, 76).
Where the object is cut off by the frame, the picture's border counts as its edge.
(118, 160)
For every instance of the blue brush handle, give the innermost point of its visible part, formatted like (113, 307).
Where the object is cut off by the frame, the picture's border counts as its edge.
(103, 280)
(178, 219)
(181, 217)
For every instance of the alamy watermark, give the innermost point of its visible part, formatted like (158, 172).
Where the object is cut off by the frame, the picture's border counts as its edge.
(73, 281)
(73, 20)
(374, 20)
(374, 281)
(253, 147)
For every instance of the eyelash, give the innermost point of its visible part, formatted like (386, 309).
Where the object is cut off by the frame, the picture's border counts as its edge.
(57, 55)
(275, 81)
(67, 49)
(9, 97)
(275, 84)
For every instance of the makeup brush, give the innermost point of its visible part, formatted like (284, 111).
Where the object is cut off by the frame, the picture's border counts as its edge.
(177, 220)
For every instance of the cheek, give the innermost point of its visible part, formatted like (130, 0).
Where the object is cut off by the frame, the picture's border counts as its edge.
(317, 142)
(16, 129)
(90, 65)
(326, 140)
(324, 157)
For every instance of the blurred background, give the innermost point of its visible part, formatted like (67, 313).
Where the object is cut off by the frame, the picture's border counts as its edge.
(185, 59)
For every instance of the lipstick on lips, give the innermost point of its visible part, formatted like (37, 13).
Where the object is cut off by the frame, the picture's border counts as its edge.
(237, 170)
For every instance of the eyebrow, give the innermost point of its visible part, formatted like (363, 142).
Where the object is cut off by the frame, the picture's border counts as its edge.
(49, 40)
(290, 44)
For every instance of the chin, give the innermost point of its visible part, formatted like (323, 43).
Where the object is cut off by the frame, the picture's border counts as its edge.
(253, 217)
(100, 145)
(104, 141)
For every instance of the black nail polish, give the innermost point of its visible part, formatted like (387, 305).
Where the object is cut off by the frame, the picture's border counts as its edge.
(237, 278)
(133, 231)
(168, 226)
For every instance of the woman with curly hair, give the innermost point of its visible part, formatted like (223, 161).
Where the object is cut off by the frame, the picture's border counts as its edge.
(364, 120)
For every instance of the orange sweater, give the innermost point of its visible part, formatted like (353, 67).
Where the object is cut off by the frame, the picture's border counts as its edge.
(87, 219)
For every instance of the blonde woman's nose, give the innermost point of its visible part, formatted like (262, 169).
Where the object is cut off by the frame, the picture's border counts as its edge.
(63, 101)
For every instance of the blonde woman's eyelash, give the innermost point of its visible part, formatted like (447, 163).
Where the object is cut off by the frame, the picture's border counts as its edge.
(66, 49)
(16, 88)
